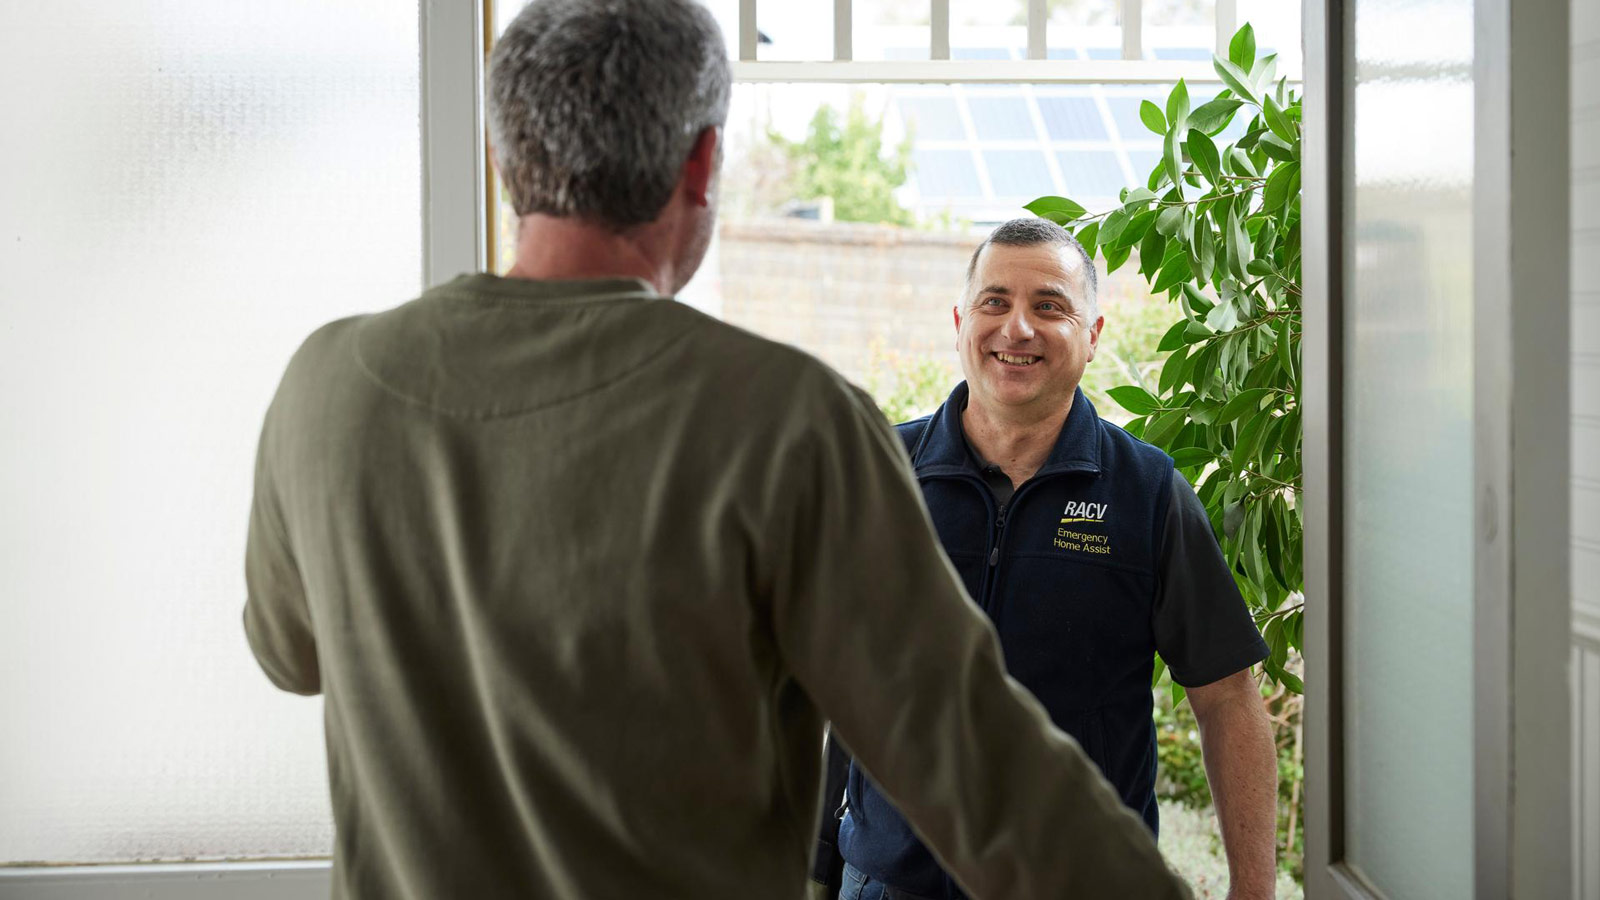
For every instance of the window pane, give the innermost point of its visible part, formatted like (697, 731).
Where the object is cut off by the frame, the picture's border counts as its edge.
(221, 180)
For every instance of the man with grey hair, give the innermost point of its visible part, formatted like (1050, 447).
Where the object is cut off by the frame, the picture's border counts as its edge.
(1089, 551)
(569, 561)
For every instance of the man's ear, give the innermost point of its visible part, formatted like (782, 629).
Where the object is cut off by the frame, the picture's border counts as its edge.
(700, 169)
(956, 312)
(1094, 336)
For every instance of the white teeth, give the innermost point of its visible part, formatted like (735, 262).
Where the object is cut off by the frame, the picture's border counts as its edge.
(1016, 360)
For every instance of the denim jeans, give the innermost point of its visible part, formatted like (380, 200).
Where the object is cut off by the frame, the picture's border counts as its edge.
(857, 886)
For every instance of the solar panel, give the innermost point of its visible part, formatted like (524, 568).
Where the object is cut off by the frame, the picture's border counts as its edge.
(1061, 53)
(1018, 173)
(1091, 173)
(1195, 54)
(1001, 118)
(946, 173)
(936, 118)
(1072, 119)
(979, 53)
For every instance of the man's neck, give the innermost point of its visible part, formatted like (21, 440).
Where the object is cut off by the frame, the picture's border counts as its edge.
(555, 249)
(1018, 441)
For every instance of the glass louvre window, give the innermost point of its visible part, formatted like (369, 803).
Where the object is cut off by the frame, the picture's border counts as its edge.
(196, 191)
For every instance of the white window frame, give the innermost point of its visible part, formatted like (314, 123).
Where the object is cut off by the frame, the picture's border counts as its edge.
(457, 236)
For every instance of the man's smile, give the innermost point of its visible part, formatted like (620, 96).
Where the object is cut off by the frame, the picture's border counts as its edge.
(1017, 359)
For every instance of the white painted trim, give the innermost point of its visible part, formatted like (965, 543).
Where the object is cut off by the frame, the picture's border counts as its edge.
(843, 34)
(1227, 23)
(1132, 29)
(265, 880)
(939, 29)
(749, 36)
(454, 232)
(975, 71)
(1586, 628)
(1038, 20)
(1522, 427)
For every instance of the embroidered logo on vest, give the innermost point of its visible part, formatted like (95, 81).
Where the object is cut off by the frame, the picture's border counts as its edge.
(1078, 514)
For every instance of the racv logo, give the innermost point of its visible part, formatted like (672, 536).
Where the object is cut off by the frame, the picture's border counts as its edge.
(1077, 511)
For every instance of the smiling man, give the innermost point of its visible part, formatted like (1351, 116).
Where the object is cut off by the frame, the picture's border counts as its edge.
(1089, 552)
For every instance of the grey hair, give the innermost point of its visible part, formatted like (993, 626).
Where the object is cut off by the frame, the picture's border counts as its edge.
(595, 104)
(1031, 231)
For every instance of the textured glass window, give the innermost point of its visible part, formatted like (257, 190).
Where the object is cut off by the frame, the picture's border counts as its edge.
(190, 187)
(1408, 741)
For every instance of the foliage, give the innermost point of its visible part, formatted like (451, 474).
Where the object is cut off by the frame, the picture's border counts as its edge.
(907, 386)
(845, 160)
(1216, 228)
(1182, 770)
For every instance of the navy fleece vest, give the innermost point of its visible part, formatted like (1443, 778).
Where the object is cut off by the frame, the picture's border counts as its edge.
(1068, 575)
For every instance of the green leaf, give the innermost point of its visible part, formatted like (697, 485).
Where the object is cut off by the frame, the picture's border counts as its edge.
(1277, 148)
(1237, 81)
(1204, 154)
(1175, 368)
(1198, 302)
(1244, 401)
(1282, 186)
(1173, 273)
(1137, 196)
(1135, 230)
(1206, 249)
(1173, 164)
(1178, 694)
(1170, 221)
(1242, 49)
(1115, 258)
(1285, 350)
(1223, 317)
(1232, 518)
(1057, 209)
(1238, 247)
(1160, 665)
(1111, 226)
(1165, 426)
(1189, 457)
(1134, 399)
(1150, 252)
(1259, 266)
(1150, 115)
(1277, 121)
(1173, 338)
(1244, 450)
(1214, 116)
(1177, 106)
(1088, 236)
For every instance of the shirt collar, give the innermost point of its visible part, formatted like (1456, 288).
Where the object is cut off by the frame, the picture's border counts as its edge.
(945, 451)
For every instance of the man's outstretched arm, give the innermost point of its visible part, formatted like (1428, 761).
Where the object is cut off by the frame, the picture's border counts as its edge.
(1242, 767)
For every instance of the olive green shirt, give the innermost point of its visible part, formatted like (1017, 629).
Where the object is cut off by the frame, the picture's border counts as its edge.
(581, 571)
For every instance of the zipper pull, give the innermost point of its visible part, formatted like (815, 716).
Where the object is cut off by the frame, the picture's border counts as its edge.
(994, 556)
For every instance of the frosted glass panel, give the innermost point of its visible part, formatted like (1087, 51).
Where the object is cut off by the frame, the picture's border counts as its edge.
(1408, 482)
(189, 188)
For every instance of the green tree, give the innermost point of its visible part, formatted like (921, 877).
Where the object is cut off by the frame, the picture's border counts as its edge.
(846, 161)
(1216, 228)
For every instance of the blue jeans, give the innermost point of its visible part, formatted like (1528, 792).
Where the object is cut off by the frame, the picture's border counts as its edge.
(857, 886)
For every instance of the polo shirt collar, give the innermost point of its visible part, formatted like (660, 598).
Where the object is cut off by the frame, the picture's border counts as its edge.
(944, 450)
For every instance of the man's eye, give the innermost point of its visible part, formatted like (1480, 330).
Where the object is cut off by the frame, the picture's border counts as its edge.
(993, 301)
(1048, 306)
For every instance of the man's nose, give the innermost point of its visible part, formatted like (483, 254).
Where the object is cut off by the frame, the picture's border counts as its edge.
(1017, 327)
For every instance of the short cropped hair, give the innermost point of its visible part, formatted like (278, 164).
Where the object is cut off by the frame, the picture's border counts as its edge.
(1031, 231)
(595, 104)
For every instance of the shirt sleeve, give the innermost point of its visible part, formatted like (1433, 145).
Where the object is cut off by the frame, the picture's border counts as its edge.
(1203, 628)
(277, 620)
(871, 620)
